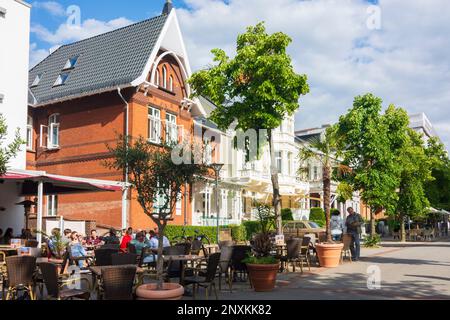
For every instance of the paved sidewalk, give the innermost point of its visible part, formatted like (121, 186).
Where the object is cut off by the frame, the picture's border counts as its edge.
(419, 270)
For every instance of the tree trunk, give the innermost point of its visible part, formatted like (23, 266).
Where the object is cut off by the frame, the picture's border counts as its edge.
(402, 229)
(327, 198)
(160, 260)
(275, 185)
(373, 232)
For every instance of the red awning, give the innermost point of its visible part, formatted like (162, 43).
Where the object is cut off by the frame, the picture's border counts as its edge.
(55, 184)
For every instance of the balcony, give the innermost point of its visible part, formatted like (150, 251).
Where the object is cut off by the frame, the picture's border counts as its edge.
(212, 222)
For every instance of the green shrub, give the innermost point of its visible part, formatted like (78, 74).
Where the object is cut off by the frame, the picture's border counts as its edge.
(317, 215)
(287, 215)
(238, 233)
(261, 260)
(173, 231)
(251, 228)
(372, 242)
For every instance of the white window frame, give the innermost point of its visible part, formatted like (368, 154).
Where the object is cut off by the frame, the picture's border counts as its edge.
(279, 161)
(171, 128)
(179, 205)
(157, 77)
(154, 125)
(53, 124)
(171, 83)
(29, 133)
(60, 81)
(164, 76)
(52, 205)
(71, 63)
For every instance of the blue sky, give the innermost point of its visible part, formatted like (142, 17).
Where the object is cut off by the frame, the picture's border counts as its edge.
(404, 60)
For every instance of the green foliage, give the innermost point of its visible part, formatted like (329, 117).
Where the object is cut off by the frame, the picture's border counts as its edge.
(287, 215)
(251, 228)
(344, 192)
(8, 152)
(334, 211)
(261, 260)
(372, 241)
(438, 190)
(317, 215)
(173, 231)
(369, 143)
(265, 215)
(238, 233)
(256, 89)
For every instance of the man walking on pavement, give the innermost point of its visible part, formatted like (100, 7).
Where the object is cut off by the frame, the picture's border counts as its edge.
(353, 223)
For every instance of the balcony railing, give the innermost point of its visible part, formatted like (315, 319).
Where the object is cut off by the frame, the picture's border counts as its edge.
(212, 222)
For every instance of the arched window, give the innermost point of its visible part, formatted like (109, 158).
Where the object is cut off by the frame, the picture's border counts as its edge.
(157, 77)
(171, 83)
(164, 76)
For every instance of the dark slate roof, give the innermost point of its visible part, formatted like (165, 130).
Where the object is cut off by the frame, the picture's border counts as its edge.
(108, 60)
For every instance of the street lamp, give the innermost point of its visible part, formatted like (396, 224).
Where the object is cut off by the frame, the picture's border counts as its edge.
(217, 167)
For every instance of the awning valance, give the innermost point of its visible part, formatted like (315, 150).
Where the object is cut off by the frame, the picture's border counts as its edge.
(56, 184)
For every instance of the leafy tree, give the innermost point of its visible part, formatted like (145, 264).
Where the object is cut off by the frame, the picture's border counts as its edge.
(438, 190)
(157, 180)
(415, 173)
(8, 152)
(368, 143)
(287, 215)
(256, 89)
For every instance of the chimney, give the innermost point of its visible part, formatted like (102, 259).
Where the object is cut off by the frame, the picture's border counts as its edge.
(167, 7)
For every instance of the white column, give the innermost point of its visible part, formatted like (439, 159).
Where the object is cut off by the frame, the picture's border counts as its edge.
(124, 208)
(40, 197)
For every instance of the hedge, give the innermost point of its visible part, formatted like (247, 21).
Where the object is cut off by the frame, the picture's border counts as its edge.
(238, 233)
(317, 215)
(287, 215)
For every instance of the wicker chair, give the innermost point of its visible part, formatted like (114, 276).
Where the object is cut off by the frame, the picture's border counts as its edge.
(121, 259)
(206, 281)
(54, 284)
(346, 252)
(3, 272)
(237, 266)
(226, 253)
(173, 267)
(293, 256)
(103, 256)
(117, 282)
(31, 243)
(20, 271)
(305, 253)
(186, 245)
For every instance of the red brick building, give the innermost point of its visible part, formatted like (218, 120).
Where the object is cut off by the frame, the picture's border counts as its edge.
(128, 81)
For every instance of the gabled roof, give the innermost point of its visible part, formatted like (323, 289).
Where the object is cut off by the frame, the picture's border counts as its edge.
(105, 62)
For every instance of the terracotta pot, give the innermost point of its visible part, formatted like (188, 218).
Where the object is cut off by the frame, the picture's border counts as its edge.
(329, 254)
(171, 291)
(263, 276)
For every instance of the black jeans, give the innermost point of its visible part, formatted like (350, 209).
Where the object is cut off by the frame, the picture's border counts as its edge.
(355, 246)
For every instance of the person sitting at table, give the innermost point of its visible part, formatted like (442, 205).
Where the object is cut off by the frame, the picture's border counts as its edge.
(77, 248)
(94, 239)
(127, 238)
(154, 240)
(111, 238)
(140, 242)
(9, 234)
(67, 235)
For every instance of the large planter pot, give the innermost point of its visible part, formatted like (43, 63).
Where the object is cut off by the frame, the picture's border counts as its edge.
(329, 254)
(263, 276)
(171, 291)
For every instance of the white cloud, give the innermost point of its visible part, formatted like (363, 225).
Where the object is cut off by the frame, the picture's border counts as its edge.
(67, 33)
(405, 62)
(36, 55)
(53, 7)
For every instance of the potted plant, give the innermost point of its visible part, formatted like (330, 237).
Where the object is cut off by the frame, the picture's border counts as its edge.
(323, 150)
(157, 173)
(261, 265)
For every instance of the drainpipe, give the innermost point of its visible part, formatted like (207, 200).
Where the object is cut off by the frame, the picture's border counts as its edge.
(125, 190)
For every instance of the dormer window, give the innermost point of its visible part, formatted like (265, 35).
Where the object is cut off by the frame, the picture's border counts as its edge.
(62, 78)
(37, 80)
(71, 63)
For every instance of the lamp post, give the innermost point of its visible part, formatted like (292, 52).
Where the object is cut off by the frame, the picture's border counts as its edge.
(217, 167)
